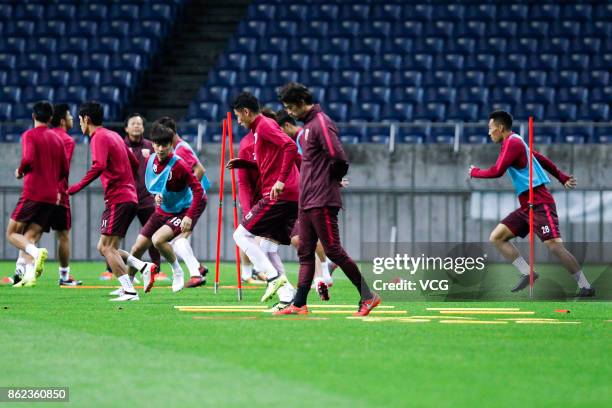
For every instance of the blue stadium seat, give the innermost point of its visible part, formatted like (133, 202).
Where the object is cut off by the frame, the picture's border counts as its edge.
(474, 29)
(11, 94)
(599, 112)
(599, 28)
(218, 94)
(189, 131)
(397, 44)
(124, 12)
(106, 44)
(120, 78)
(246, 45)
(524, 110)
(481, 12)
(366, 111)
(266, 61)
(147, 28)
(345, 28)
(346, 78)
(97, 60)
(3, 78)
(72, 94)
(483, 62)
(127, 61)
(106, 94)
(255, 90)
(72, 45)
(377, 28)
(6, 111)
(576, 62)
(453, 62)
(540, 94)
(371, 45)
(14, 45)
(574, 94)
(507, 29)
(398, 111)
(442, 135)
(64, 60)
(577, 134)
(203, 111)
(118, 28)
(234, 61)
(47, 45)
(534, 28)
(413, 133)
(444, 95)
(429, 45)
(378, 94)
(282, 29)
(275, 44)
(602, 61)
(57, 78)
(465, 112)
(37, 93)
(32, 61)
(419, 12)
(581, 12)
(318, 78)
(388, 12)
(393, 62)
(253, 28)
(434, 112)
(224, 77)
(378, 134)
(323, 61)
(377, 78)
(92, 11)
(526, 45)
(52, 28)
(21, 112)
(563, 78)
(20, 28)
(6, 11)
(492, 45)
(557, 45)
(338, 111)
(142, 45)
(88, 77)
(569, 29)
(360, 62)
(336, 45)
(412, 29)
(473, 94)
(591, 45)
(532, 78)
(463, 45)
(603, 134)
(407, 78)
(547, 62)
(409, 94)
(545, 11)
(596, 78)
(293, 12)
(261, 12)
(562, 112)
(318, 93)
(471, 78)
(475, 135)
(283, 76)
(305, 44)
(8, 61)
(507, 94)
(362, 12)
(314, 28)
(83, 28)
(422, 62)
(324, 12)
(344, 94)
(254, 77)
(24, 78)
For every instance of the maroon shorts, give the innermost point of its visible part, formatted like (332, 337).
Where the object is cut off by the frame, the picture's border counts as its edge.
(157, 220)
(272, 219)
(33, 212)
(61, 219)
(295, 231)
(116, 219)
(545, 222)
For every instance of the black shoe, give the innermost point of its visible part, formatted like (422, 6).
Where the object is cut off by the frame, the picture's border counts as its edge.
(70, 282)
(524, 282)
(585, 292)
(16, 278)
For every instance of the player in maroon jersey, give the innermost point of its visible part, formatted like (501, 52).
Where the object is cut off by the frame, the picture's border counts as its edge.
(273, 216)
(43, 165)
(116, 165)
(324, 164)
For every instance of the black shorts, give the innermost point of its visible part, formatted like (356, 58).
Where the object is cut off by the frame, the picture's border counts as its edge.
(545, 222)
(272, 219)
(61, 219)
(33, 212)
(116, 219)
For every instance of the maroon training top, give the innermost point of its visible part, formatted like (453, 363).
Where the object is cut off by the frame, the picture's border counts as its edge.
(115, 164)
(321, 147)
(142, 150)
(180, 177)
(249, 191)
(68, 143)
(44, 164)
(513, 154)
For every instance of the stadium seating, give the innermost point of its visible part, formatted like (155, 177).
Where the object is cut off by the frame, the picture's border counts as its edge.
(440, 62)
(44, 50)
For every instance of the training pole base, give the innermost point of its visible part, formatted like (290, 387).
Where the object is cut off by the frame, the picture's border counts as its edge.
(216, 287)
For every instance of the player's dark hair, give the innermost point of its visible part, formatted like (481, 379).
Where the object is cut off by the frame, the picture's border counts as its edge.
(295, 93)
(134, 115)
(246, 100)
(268, 113)
(59, 112)
(94, 111)
(161, 135)
(502, 118)
(283, 117)
(167, 121)
(43, 111)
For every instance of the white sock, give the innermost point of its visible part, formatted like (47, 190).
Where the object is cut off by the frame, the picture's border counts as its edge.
(31, 250)
(182, 248)
(246, 241)
(325, 271)
(126, 283)
(29, 272)
(176, 267)
(135, 263)
(246, 271)
(286, 293)
(20, 266)
(64, 273)
(521, 265)
(582, 281)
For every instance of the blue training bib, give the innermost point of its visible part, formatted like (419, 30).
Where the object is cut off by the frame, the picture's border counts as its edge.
(173, 202)
(520, 177)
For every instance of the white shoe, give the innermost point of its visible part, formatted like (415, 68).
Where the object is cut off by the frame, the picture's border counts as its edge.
(178, 282)
(117, 292)
(148, 273)
(125, 297)
(25, 283)
(273, 287)
(278, 307)
(135, 280)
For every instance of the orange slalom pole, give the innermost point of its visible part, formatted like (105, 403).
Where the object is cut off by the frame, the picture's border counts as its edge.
(531, 232)
(231, 152)
(220, 213)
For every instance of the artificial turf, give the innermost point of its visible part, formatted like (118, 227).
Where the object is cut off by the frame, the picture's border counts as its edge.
(147, 353)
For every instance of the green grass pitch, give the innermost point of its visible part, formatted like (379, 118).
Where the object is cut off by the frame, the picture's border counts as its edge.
(147, 353)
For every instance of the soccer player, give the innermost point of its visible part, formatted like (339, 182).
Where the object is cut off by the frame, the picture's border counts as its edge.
(323, 279)
(324, 164)
(43, 165)
(273, 216)
(116, 165)
(183, 201)
(514, 158)
(181, 244)
(61, 221)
